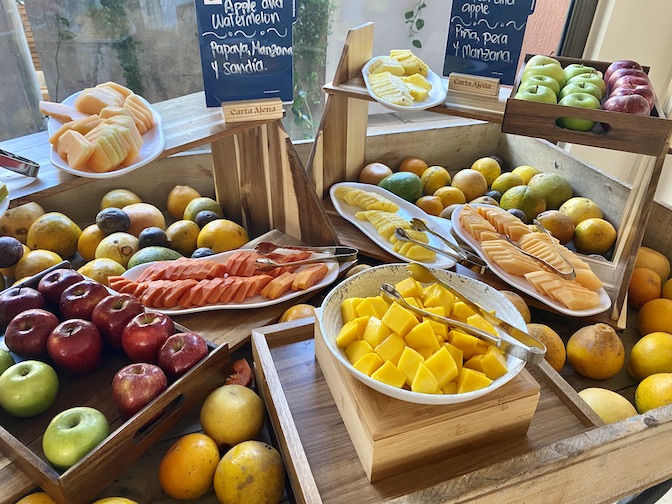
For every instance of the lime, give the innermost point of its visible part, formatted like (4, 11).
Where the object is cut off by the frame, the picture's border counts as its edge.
(151, 254)
(199, 204)
(406, 185)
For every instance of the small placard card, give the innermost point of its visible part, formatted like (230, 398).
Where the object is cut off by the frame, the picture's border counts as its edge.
(485, 37)
(246, 49)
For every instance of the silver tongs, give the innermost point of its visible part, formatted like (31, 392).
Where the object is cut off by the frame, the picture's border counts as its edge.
(18, 164)
(510, 339)
(466, 255)
(336, 253)
(459, 255)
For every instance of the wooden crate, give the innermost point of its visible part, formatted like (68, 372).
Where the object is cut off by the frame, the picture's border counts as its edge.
(565, 452)
(341, 149)
(392, 436)
(21, 438)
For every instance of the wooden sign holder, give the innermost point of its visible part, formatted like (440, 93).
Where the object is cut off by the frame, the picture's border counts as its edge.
(252, 110)
(483, 86)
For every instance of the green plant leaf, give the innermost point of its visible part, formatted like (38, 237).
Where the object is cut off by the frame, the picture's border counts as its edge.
(66, 35)
(419, 24)
(422, 5)
(408, 14)
(417, 43)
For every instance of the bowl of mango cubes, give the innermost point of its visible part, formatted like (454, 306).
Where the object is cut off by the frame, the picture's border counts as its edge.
(410, 357)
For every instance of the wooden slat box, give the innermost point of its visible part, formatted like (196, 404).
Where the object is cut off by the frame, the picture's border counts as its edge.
(566, 455)
(393, 436)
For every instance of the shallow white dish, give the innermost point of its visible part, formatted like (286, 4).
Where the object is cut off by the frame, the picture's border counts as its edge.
(368, 282)
(407, 210)
(437, 95)
(153, 144)
(252, 302)
(521, 283)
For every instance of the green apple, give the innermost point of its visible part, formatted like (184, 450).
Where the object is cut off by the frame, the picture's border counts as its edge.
(583, 100)
(537, 93)
(72, 434)
(6, 360)
(541, 80)
(577, 69)
(581, 87)
(28, 388)
(592, 77)
(549, 69)
(542, 59)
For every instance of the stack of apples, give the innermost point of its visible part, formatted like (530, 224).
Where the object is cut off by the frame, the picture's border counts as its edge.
(624, 85)
(68, 323)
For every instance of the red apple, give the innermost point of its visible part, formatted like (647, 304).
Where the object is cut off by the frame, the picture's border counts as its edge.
(624, 63)
(76, 346)
(14, 300)
(180, 352)
(144, 334)
(629, 104)
(621, 72)
(112, 314)
(630, 80)
(27, 333)
(642, 89)
(135, 385)
(52, 285)
(79, 300)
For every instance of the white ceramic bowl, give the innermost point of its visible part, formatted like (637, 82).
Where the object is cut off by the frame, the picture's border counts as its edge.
(368, 282)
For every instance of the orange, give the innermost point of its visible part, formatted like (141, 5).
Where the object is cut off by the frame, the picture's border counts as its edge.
(644, 286)
(413, 165)
(188, 467)
(555, 347)
(450, 196)
(178, 199)
(488, 167)
(37, 498)
(653, 392)
(430, 204)
(594, 236)
(88, 241)
(433, 178)
(596, 351)
(655, 315)
(221, 235)
(298, 311)
(34, 262)
(652, 354)
(232, 414)
(56, 232)
(667, 289)
(652, 259)
(374, 173)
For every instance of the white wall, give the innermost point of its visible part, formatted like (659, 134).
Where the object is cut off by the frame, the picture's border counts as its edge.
(637, 30)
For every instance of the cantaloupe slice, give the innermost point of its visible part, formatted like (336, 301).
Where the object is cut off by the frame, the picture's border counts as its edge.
(138, 119)
(93, 100)
(104, 157)
(122, 90)
(60, 111)
(138, 104)
(73, 147)
(83, 126)
(576, 299)
(127, 122)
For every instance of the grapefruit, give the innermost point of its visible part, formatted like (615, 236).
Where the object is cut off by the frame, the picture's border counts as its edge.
(232, 414)
(596, 351)
(470, 182)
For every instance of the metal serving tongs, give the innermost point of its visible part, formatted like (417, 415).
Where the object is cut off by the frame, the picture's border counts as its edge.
(402, 235)
(336, 253)
(511, 340)
(18, 164)
(466, 255)
(568, 274)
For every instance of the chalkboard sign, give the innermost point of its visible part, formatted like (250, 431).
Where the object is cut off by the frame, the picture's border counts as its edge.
(485, 37)
(246, 49)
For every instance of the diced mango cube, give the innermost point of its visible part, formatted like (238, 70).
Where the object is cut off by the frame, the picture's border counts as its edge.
(357, 349)
(471, 380)
(461, 311)
(409, 287)
(442, 366)
(450, 388)
(415, 302)
(479, 322)
(391, 348)
(422, 335)
(347, 334)
(368, 363)
(435, 295)
(361, 325)
(375, 331)
(399, 319)
(492, 363)
(409, 362)
(426, 352)
(424, 381)
(348, 307)
(466, 342)
(389, 374)
(458, 355)
(440, 329)
(374, 306)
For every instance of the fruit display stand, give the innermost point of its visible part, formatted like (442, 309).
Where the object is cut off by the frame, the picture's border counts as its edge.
(513, 133)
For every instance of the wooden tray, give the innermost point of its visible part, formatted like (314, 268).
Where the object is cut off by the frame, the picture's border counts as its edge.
(561, 459)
